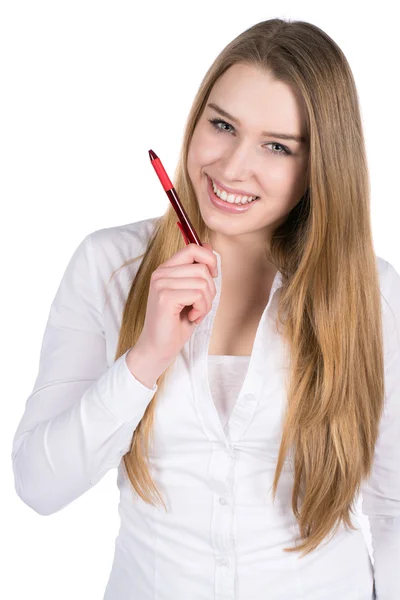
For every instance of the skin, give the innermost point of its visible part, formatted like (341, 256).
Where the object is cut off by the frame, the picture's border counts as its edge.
(239, 157)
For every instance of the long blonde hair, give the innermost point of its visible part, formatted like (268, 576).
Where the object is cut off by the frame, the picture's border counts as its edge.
(329, 305)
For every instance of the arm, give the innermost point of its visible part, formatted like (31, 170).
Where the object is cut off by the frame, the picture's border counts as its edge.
(80, 417)
(381, 493)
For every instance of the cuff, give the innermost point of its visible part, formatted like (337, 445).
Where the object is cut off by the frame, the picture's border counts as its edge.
(124, 395)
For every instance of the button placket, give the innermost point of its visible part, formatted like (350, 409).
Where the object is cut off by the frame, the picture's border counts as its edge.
(221, 473)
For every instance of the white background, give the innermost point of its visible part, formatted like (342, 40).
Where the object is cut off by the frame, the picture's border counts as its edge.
(87, 88)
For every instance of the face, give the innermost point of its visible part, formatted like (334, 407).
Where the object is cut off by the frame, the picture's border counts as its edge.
(239, 156)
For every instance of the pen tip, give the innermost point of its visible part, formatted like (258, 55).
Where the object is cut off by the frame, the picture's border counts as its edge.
(152, 155)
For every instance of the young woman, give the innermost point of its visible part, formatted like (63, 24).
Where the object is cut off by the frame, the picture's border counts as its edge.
(247, 390)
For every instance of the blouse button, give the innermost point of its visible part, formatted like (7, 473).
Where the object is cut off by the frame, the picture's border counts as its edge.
(223, 562)
(232, 452)
(222, 501)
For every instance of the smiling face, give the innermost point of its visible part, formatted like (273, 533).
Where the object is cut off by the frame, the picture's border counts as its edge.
(237, 152)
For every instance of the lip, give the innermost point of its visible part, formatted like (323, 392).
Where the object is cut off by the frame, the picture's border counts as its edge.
(226, 206)
(229, 190)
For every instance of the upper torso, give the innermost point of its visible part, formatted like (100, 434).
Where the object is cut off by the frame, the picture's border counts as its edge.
(217, 434)
(217, 431)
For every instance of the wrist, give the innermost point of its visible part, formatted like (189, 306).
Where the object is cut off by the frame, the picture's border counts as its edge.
(143, 366)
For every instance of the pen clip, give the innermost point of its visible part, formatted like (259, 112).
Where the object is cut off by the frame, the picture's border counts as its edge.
(183, 233)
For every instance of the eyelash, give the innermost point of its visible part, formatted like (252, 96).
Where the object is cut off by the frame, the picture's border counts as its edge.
(215, 122)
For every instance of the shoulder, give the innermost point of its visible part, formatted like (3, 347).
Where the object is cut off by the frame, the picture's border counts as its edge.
(390, 296)
(389, 279)
(112, 246)
(128, 240)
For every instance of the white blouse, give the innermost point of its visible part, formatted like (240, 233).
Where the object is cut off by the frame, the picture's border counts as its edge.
(217, 431)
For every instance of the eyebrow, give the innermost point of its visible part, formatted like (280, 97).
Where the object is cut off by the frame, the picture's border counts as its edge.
(283, 136)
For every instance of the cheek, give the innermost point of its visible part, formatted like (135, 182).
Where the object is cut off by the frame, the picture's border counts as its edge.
(283, 184)
(282, 172)
(282, 175)
(205, 149)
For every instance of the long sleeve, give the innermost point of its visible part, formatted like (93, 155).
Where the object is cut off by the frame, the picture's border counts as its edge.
(80, 417)
(381, 492)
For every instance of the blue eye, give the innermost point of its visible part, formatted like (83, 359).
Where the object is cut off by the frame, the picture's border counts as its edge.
(216, 122)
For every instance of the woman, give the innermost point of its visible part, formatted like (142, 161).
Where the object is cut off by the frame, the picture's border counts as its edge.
(263, 367)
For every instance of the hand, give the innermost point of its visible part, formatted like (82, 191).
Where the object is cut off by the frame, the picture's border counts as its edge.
(180, 296)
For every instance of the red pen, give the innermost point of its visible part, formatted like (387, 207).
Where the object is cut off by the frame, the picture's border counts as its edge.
(184, 224)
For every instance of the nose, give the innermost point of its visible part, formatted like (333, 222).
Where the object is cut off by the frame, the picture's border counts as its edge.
(237, 163)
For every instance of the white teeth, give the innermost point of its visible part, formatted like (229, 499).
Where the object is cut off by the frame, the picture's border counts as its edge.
(231, 198)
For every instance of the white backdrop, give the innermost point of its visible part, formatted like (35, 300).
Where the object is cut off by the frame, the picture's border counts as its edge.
(87, 88)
